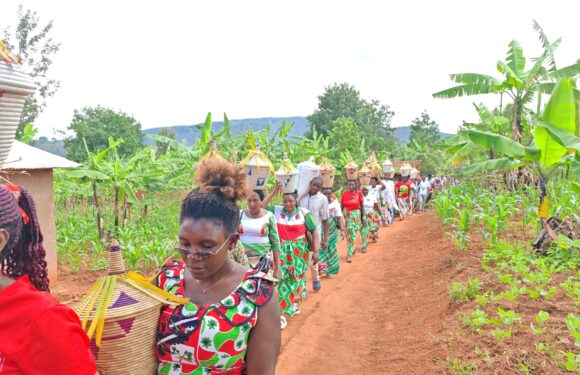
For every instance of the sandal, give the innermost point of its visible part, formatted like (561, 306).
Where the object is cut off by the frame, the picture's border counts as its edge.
(349, 259)
(363, 251)
(316, 285)
(283, 322)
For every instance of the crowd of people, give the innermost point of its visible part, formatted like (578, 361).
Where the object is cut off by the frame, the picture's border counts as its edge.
(242, 269)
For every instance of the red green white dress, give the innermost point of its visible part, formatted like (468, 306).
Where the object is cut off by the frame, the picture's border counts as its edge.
(259, 238)
(208, 339)
(292, 228)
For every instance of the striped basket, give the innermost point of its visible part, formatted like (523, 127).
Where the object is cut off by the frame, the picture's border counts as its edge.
(327, 172)
(121, 317)
(364, 175)
(15, 86)
(351, 170)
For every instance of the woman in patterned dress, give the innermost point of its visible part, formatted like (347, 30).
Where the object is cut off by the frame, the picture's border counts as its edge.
(294, 223)
(259, 234)
(373, 216)
(218, 330)
(329, 256)
(354, 215)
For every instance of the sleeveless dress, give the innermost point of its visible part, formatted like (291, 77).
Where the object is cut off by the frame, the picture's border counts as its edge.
(208, 339)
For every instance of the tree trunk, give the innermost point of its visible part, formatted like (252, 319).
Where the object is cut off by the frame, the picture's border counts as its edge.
(116, 207)
(145, 211)
(516, 121)
(125, 210)
(98, 209)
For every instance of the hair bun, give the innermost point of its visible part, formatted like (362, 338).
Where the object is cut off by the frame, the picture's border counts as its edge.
(216, 173)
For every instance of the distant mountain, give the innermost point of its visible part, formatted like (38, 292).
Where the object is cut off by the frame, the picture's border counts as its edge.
(403, 133)
(188, 133)
(54, 146)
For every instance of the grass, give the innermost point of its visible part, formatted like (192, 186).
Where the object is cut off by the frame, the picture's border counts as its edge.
(462, 292)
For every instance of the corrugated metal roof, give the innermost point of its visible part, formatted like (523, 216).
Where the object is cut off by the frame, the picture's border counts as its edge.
(23, 156)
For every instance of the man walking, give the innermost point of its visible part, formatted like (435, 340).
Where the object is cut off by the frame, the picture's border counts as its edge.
(317, 203)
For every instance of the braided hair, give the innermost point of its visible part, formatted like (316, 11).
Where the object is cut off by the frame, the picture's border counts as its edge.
(24, 253)
(220, 185)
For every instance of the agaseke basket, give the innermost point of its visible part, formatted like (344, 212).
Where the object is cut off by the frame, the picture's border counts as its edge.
(121, 317)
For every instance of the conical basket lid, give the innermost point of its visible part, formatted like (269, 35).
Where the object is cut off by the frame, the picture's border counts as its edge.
(119, 295)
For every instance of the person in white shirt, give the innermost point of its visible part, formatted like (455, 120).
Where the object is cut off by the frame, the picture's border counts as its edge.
(389, 199)
(424, 187)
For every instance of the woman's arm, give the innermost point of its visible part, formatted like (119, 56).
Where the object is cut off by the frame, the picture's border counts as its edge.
(264, 341)
(268, 199)
(275, 244)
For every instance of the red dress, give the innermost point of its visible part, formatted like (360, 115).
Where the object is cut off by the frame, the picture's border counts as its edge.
(38, 335)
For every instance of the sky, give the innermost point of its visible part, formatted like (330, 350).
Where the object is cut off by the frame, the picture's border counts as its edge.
(169, 63)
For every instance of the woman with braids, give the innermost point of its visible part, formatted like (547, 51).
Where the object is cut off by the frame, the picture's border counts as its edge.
(231, 323)
(298, 235)
(38, 335)
(329, 256)
(354, 215)
(259, 234)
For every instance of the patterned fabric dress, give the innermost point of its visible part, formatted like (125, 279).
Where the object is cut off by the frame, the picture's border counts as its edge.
(330, 256)
(260, 238)
(238, 255)
(373, 217)
(198, 339)
(352, 217)
(292, 228)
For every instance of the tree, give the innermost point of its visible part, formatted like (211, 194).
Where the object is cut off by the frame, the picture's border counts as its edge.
(95, 125)
(344, 101)
(35, 46)
(424, 130)
(346, 135)
(161, 146)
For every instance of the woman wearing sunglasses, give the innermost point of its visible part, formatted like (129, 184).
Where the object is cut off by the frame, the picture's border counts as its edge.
(232, 323)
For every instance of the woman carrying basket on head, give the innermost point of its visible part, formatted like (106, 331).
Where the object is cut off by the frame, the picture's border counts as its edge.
(354, 216)
(329, 256)
(293, 225)
(38, 335)
(218, 331)
(259, 234)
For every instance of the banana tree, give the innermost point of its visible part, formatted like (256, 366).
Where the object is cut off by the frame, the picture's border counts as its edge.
(519, 84)
(554, 147)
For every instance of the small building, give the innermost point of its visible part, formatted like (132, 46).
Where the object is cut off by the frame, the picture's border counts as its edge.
(32, 168)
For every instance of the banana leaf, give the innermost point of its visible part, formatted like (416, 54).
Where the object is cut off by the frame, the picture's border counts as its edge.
(564, 138)
(499, 143)
(493, 165)
(560, 112)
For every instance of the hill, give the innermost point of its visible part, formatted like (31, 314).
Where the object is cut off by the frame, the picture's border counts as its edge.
(188, 133)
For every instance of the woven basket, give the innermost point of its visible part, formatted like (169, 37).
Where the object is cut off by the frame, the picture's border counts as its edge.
(287, 175)
(258, 169)
(15, 86)
(327, 173)
(351, 170)
(364, 175)
(121, 315)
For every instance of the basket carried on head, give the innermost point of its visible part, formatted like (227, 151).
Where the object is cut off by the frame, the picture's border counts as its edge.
(15, 87)
(351, 170)
(327, 173)
(287, 175)
(121, 317)
(364, 175)
(373, 164)
(258, 169)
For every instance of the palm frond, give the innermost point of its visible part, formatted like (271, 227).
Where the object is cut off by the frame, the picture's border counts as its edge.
(474, 79)
(570, 71)
(548, 48)
(515, 58)
(465, 90)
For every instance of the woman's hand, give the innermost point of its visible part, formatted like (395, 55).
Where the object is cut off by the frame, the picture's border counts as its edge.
(277, 272)
(342, 234)
(315, 258)
(278, 187)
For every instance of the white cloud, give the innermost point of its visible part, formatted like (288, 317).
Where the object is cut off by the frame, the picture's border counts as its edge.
(170, 63)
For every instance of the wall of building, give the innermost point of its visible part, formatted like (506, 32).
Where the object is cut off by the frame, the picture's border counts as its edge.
(40, 184)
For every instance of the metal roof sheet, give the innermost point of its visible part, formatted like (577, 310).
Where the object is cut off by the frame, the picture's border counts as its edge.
(23, 156)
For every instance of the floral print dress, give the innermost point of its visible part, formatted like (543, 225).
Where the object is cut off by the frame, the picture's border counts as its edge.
(208, 339)
(292, 228)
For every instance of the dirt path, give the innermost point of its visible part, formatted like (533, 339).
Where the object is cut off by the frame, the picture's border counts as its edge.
(383, 314)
